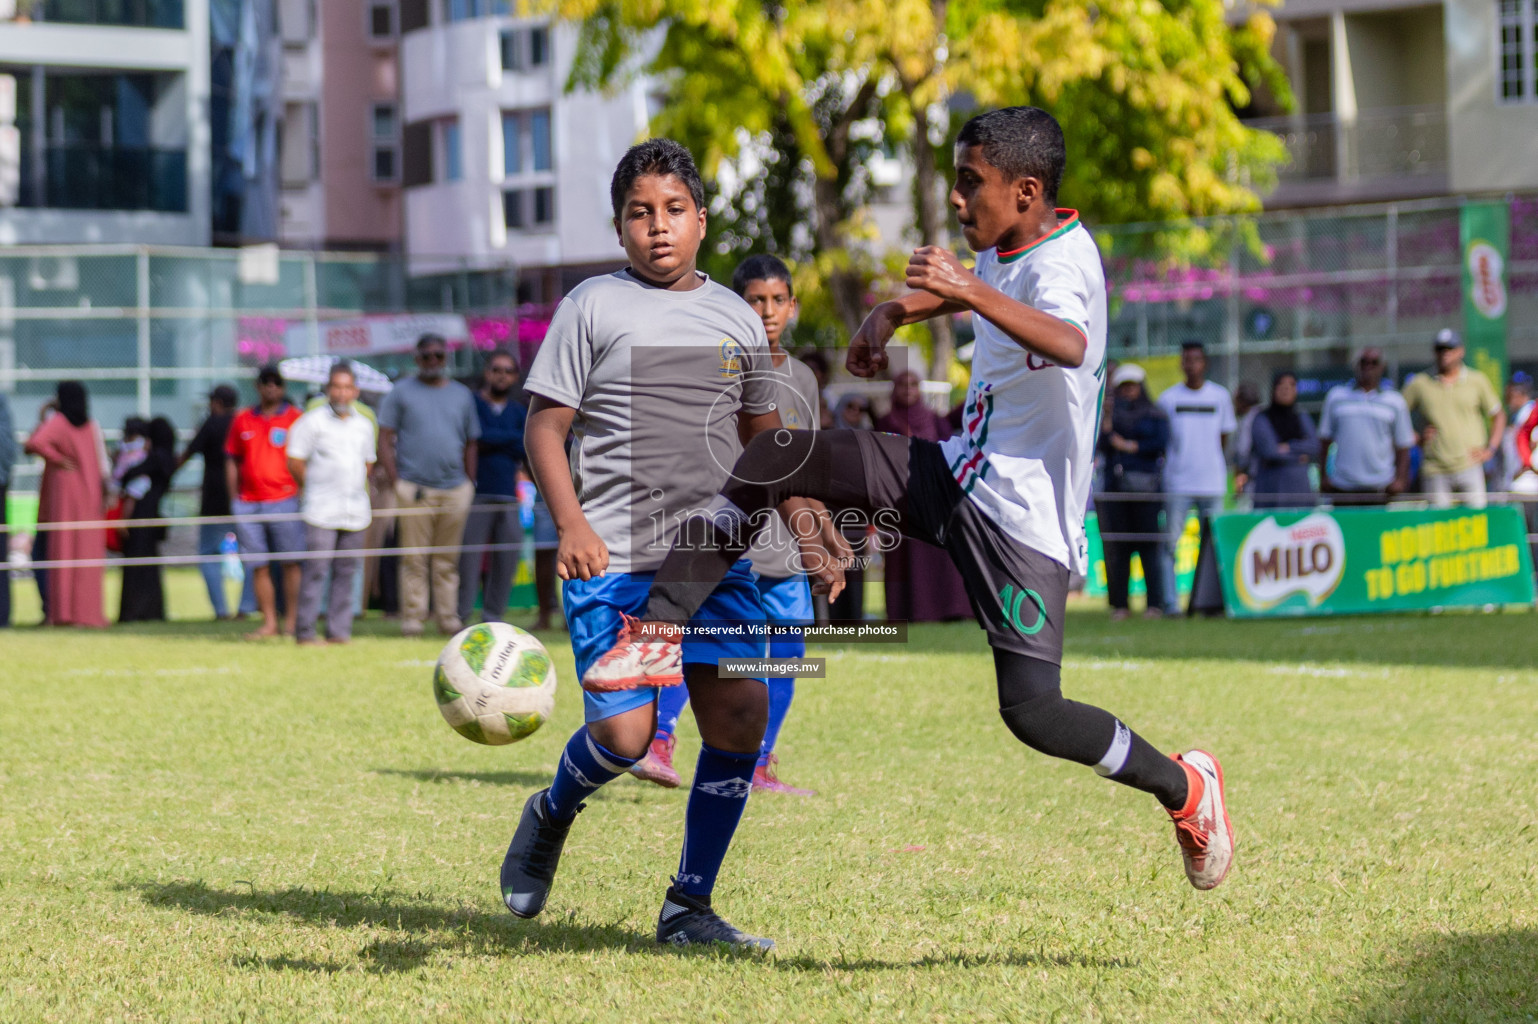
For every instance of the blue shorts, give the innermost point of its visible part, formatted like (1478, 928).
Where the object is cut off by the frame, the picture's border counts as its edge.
(593, 608)
(260, 539)
(787, 602)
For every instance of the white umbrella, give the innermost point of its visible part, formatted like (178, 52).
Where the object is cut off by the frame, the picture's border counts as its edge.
(317, 370)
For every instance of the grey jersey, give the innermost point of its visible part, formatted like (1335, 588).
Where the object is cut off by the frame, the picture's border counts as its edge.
(795, 395)
(657, 378)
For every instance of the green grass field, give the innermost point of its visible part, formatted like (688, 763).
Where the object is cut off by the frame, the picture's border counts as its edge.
(197, 829)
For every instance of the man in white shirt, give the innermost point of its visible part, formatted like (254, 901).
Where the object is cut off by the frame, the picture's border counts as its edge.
(330, 451)
(1195, 470)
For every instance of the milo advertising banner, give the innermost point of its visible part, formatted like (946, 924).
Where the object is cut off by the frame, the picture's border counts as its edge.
(1485, 234)
(1315, 562)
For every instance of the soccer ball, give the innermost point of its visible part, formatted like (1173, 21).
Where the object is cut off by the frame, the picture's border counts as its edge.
(494, 683)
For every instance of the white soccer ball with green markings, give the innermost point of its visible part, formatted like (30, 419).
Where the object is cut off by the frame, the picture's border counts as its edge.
(494, 683)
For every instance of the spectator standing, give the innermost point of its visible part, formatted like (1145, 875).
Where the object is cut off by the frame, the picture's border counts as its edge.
(330, 452)
(1133, 439)
(75, 469)
(1519, 404)
(1463, 423)
(1524, 480)
(1246, 408)
(1285, 442)
(1369, 427)
(495, 521)
(1201, 416)
(922, 583)
(256, 473)
(428, 430)
(7, 463)
(144, 484)
(214, 499)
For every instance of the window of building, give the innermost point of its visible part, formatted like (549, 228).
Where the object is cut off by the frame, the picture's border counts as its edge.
(1517, 51)
(526, 143)
(463, 10)
(528, 208)
(512, 50)
(384, 135)
(539, 139)
(512, 144)
(381, 21)
(453, 161)
(539, 46)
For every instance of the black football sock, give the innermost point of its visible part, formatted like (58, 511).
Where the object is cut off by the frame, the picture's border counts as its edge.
(1033, 706)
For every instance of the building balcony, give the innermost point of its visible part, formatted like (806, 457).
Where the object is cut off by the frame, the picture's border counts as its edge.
(119, 13)
(1396, 153)
(89, 176)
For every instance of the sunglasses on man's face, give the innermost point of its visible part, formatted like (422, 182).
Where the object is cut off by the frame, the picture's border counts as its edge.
(430, 357)
(500, 369)
(1371, 362)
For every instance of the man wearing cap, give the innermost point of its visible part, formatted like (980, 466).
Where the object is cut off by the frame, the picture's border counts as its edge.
(1369, 425)
(215, 499)
(261, 486)
(1462, 424)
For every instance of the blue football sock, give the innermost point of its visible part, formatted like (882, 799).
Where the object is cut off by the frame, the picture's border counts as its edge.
(781, 693)
(722, 782)
(670, 704)
(584, 767)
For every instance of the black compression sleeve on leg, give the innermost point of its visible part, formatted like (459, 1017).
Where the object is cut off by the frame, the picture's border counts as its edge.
(1032, 704)
(777, 464)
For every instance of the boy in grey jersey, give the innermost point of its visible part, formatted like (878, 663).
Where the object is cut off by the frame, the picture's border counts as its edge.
(654, 369)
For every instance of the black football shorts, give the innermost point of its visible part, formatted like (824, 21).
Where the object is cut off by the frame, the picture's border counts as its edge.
(1018, 594)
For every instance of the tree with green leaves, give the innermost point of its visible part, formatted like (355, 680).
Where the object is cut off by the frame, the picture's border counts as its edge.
(793, 99)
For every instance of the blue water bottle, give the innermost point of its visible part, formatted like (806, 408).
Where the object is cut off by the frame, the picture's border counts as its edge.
(229, 558)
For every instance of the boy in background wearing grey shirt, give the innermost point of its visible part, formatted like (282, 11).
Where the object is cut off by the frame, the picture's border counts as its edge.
(659, 373)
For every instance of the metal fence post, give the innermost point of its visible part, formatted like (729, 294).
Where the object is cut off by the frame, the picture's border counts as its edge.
(142, 314)
(312, 302)
(1391, 264)
(1231, 309)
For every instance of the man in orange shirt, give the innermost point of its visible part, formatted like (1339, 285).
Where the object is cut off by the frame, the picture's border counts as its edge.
(261, 485)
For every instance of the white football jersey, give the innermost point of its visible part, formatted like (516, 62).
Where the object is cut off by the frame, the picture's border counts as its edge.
(1025, 452)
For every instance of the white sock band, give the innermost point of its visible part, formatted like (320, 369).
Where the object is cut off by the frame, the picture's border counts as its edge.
(1115, 759)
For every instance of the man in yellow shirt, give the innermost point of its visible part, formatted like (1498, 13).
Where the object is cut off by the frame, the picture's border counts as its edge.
(1463, 422)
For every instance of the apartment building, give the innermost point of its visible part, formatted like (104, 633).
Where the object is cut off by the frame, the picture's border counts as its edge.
(111, 101)
(340, 148)
(1401, 99)
(501, 166)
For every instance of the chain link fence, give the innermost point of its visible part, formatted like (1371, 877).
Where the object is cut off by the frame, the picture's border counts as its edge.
(1301, 291)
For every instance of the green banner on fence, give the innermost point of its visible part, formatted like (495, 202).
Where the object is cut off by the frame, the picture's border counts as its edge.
(1309, 562)
(1485, 233)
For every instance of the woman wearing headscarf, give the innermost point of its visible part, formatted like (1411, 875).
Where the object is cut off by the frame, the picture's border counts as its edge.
(144, 485)
(922, 583)
(74, 467)
(1283, 442)
(1134, 434)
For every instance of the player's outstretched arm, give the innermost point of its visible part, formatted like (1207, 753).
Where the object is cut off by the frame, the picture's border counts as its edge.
(867, 349)
(581, 554)
(938, 272)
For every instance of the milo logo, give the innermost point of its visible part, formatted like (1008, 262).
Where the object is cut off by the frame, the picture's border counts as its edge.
(1308, 557)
